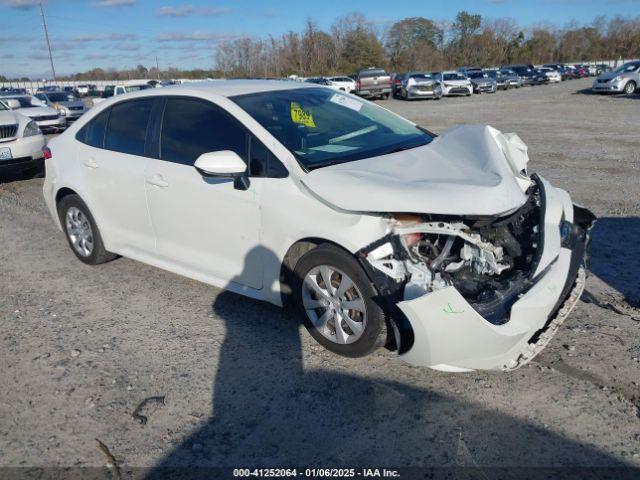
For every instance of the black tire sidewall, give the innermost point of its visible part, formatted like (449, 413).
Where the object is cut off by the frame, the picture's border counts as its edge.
(374, 335)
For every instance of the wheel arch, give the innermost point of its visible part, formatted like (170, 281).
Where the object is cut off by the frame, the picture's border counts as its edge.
(290, 259)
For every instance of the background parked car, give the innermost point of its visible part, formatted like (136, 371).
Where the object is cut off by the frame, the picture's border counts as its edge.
(514, 80)
(525, 72)
(21, 143)
(454, 83)
(114, 90)
(419, 85)
(72, 108)
(502, 81)
(345, 84)
(47, 118)
(396, 84)
(373, 82)
(482, 82)
(548, 75)
(624, 79)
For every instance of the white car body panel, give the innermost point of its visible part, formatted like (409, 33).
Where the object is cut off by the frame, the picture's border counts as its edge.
(163, 214)
(20, 146)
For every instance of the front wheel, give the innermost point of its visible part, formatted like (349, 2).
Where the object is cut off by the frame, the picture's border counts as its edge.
(335, 299)
(630, 87)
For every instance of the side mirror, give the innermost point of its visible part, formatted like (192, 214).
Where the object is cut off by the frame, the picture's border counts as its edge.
(12, 103)
(224, 163)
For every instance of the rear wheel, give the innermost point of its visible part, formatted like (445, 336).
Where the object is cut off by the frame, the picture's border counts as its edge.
(335, 299)
(82, 232)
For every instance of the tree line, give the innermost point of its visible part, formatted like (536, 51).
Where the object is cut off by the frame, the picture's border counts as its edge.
(419, 44)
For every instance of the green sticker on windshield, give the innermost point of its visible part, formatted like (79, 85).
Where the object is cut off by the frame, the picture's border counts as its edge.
(301, 116)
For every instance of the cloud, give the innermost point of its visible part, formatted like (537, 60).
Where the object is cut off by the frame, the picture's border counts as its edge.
(188, 10)
(21, 4)
(195, 37)
(105, 37)
(114, 3)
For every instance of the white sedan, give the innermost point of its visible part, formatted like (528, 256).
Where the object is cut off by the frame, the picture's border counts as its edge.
(379, 232)
(346, 84)
(21, 143)
(47, 118)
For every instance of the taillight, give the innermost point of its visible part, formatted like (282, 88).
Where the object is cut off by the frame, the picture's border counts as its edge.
(47, 153)
(389, 81)
(359, 84)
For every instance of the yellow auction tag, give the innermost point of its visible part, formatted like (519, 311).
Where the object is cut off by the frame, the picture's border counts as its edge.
(301, 116)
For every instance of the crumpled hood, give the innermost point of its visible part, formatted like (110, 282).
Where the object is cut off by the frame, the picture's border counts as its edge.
(468, 170)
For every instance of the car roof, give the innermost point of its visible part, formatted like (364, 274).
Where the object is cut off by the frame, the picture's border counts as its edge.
(230, 88)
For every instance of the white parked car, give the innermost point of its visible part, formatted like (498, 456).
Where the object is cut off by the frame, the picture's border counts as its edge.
(346, 84)
(21, 143)
(552, 76)
(379, 232)
(454, 83)
(47, 118)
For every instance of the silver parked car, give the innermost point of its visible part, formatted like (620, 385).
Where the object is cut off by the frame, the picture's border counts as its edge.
(512, 78)
(624, 79)
(419, 85)
(65, 103)
(482, 82)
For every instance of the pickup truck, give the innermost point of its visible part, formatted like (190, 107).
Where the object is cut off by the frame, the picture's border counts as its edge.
(373, 82)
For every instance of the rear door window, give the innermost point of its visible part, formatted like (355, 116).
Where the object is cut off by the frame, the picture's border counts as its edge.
(127, 128)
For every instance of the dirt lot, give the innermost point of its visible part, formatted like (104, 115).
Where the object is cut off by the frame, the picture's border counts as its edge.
(243, 385)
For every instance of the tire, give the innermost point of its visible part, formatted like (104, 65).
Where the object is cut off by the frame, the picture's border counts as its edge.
(74, 215)
(630, 87)
(309, 290)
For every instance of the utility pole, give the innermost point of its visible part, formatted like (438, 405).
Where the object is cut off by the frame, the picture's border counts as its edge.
(157, 68)
(46, 36)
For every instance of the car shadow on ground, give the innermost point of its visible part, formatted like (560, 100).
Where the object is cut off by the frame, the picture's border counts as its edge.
(271, 411)
(614, 255)
(588, 91)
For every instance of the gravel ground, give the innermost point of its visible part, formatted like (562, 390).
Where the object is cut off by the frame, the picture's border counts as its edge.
(243, 385)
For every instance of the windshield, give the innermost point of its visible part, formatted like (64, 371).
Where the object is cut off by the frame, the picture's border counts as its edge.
(421, 76)
(453, 76)
(135, 88)
(322, 127)
(58, 97)
(372, 73)
(477, 75)
(628, 67)
(25, 102)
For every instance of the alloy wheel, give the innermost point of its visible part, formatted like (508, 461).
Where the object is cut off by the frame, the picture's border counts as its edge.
(334, 304)
(79, 231)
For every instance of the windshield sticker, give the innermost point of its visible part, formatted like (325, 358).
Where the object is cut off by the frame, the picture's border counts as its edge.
(346, 102)
(301, 116)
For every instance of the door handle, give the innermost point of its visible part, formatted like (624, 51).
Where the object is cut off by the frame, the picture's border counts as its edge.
(91, 163)
(157, 181)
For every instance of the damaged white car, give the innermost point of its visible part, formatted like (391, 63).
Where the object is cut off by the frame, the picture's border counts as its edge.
(380, 233)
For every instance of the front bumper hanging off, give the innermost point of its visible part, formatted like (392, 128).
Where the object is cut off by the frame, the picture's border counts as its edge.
(449, 335)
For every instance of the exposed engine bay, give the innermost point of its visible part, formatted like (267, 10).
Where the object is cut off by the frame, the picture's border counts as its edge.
(489, 260)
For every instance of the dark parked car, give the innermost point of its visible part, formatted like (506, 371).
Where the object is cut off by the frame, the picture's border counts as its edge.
(525, 72)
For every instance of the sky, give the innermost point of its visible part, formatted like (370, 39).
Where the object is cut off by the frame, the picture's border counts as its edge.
(124, 33)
